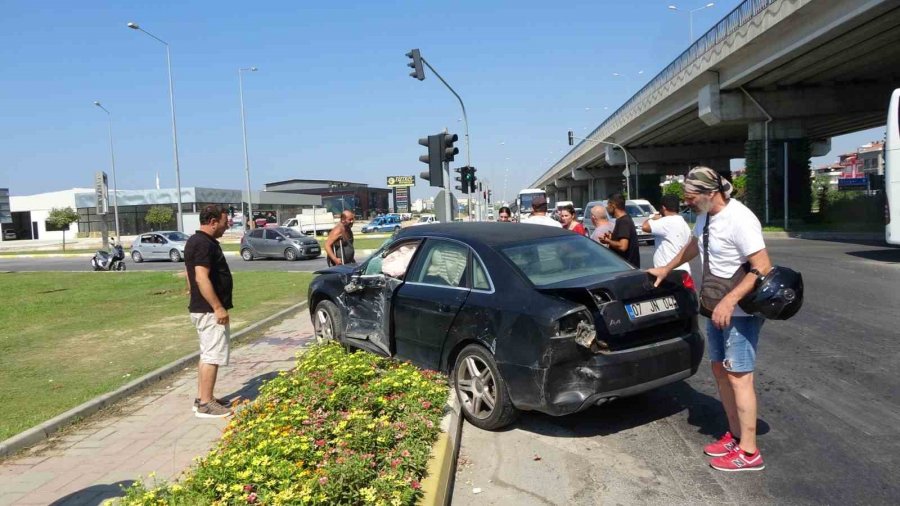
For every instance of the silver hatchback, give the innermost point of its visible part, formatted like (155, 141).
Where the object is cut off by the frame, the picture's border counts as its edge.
(166, 245)
(278, 242)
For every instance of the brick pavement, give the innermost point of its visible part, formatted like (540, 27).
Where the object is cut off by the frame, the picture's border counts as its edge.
(155, 431)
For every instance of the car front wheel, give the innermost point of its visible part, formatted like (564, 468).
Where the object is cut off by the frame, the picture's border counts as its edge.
(290, 254)
(137, 257)
(481, 391)
(175, 256)
(326, 322)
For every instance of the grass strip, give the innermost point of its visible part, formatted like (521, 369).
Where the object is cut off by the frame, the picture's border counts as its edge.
(66, 338)
(342, 428)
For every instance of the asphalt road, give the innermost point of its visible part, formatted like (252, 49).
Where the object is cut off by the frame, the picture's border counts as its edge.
(829, 414)
(84, 264)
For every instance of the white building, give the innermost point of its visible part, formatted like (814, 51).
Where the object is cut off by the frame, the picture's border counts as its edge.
(36, 208)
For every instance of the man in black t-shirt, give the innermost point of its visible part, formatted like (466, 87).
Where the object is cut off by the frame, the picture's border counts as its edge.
(623, 239)
(210, 283)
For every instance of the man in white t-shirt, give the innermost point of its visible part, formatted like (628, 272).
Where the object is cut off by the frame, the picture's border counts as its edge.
(670, 233)
(539, 213)
(735, 238)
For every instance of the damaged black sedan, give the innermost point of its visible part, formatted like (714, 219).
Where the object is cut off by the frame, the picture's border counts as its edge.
(521, 317)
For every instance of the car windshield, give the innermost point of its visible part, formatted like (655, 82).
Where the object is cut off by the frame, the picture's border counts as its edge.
(647, 208)
(423, 219)
(290, 233)
(176, 236)
(635, 211)
(558, 259)
(527, 198)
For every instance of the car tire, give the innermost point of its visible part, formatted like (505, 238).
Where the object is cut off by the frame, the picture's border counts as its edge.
(136, 257)
(246, 254)
(327, 322)
(174, 255)
(290, 254)
(477, 381)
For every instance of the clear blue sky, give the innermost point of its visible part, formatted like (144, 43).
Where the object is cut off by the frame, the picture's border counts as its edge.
(332, 98)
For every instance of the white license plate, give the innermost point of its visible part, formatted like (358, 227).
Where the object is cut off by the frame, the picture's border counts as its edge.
(651, 307)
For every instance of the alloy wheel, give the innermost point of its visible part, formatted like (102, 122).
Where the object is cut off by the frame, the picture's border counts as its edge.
(476, 386)
(324, 326)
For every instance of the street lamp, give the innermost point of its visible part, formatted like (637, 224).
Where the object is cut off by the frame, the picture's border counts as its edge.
(112, 156)
(691, 15)
(135, 26)
(244, 128)
(572, 138)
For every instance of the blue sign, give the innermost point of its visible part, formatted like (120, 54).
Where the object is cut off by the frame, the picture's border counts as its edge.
(853, 182)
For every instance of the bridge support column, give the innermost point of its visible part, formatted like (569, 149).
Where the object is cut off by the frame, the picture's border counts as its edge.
(765, 189)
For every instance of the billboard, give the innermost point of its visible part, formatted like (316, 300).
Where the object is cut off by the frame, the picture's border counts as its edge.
(101, 188)
(5, 214)
(401, 181)
(401, 199)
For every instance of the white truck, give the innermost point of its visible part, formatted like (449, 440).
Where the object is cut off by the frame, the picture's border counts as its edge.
(312, 221)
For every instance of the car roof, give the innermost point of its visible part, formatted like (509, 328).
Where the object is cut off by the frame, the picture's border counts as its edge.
(489, 234)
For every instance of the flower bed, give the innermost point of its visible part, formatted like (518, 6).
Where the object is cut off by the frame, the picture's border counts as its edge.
(341, 428)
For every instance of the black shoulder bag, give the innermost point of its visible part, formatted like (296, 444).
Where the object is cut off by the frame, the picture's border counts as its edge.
(714, 288)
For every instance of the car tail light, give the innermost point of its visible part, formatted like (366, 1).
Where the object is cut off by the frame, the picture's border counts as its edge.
(688, 281)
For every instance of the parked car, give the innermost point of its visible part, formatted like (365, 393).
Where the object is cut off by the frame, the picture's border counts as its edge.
(387, 223)
(520, 317)
(637, 213)
(278, 242)
(166, 245)
(426, 219)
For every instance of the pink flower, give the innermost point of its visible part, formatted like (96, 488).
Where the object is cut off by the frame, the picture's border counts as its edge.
(320, 442)
(405, 453)
(416, 485)
(251, 498)
(395, 462)
(323, 480)
(248, 488)
(426, 405)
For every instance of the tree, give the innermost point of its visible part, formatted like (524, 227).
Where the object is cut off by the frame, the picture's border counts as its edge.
(61, 219)
(740, 186)
(158, 216)
(675, 188)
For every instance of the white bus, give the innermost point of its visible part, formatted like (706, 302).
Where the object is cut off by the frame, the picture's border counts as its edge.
(523, 201)
(892, 171)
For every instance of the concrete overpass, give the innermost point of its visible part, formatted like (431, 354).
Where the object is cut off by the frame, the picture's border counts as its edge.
(787, 71)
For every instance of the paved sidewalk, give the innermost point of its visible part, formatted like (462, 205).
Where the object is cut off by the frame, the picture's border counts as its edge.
(154, 432)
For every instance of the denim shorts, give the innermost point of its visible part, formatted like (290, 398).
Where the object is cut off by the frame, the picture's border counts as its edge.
(735, 346)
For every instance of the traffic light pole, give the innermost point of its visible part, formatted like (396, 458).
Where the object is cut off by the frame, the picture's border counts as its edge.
(465, 118)
(447, 195)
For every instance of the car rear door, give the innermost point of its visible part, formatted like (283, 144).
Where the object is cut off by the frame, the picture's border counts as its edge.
(425, 306)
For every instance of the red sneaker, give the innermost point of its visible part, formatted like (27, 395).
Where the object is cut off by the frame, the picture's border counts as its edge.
(738, 461)
(725, 445)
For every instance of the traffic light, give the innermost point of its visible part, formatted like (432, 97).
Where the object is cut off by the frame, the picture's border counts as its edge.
(448, 151)
(462, 178)
(571, 138)
(435, 173)
(416, 64)
(470, 177)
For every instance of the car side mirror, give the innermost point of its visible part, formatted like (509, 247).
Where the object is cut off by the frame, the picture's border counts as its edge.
(280, 239)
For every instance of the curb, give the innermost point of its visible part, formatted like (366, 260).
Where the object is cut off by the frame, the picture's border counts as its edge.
(828, 236)
(44, 430)
(438, 483)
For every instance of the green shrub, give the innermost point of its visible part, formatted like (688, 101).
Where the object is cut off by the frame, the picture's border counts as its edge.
(341, 428)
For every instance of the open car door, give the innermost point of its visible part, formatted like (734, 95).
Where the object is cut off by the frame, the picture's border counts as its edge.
(369, 298)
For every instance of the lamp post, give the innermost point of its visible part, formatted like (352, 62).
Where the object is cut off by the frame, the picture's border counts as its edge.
(690, 14)
(135, 26)
(112, 156)
(624, 151)
(244, 128)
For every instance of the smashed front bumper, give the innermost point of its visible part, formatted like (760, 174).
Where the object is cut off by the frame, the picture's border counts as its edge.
(576, 378)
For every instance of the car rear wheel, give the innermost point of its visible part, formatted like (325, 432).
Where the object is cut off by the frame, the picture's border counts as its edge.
(174, 255)
(137, 257)
(290, 254)
(327, 322)
(481, 391)
(246, 254)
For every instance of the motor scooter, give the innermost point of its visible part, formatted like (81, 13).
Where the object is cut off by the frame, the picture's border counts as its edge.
(113, 260)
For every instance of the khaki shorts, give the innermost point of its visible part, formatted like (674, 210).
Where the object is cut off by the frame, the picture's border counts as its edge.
(214, 338)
